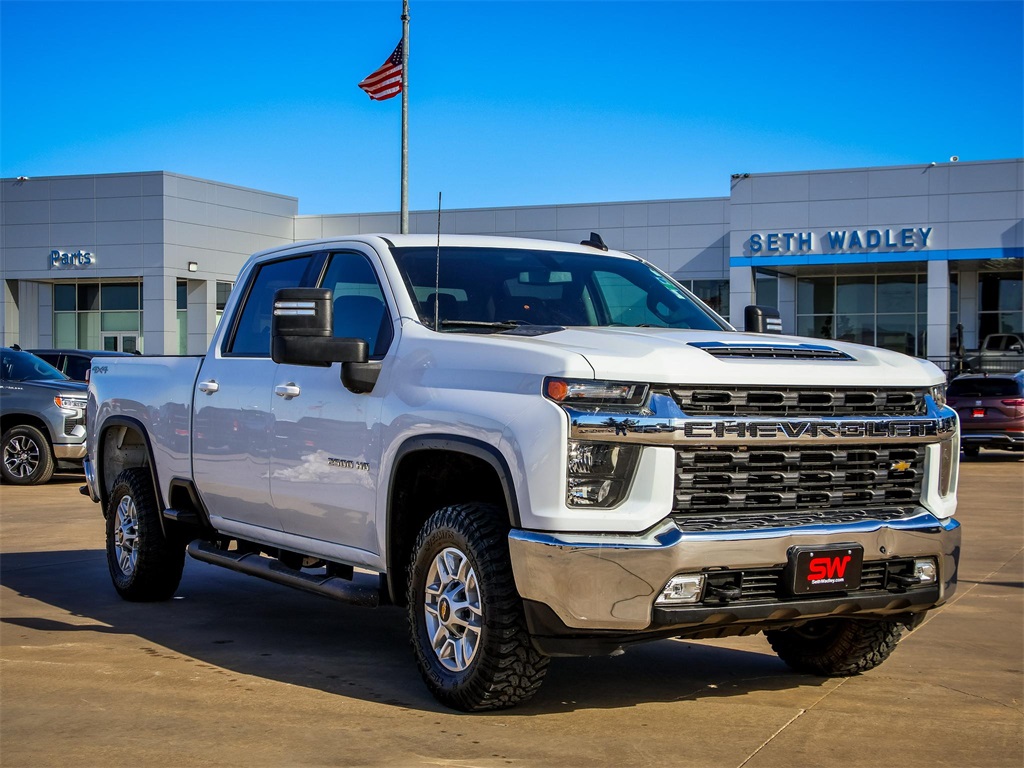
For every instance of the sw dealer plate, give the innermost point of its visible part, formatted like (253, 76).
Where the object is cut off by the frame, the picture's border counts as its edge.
(832, 568)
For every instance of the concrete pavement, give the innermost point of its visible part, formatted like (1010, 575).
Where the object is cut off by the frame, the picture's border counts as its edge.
(236, 670)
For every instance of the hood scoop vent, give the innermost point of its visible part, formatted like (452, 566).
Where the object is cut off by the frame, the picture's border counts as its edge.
(770, 351)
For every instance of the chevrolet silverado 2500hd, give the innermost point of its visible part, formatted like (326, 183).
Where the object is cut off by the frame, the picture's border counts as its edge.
(538, 448)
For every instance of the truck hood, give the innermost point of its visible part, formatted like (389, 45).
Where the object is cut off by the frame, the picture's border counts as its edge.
(669, 355)
(56, 385)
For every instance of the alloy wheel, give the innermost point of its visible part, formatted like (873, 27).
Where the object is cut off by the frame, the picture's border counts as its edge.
(126, 535)
(454, 618)
(21, 456)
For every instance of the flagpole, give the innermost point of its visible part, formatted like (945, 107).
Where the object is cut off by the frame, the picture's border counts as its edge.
(405, 117)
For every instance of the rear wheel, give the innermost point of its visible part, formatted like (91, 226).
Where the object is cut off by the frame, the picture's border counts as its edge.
(27, 458)
(144, 565)
(466, 619)
(971, 451)
(835, 647)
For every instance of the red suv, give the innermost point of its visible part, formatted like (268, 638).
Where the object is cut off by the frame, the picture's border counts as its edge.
(991, 409)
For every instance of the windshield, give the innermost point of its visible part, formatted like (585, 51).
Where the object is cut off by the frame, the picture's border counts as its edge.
(497, 288)
(21, 366)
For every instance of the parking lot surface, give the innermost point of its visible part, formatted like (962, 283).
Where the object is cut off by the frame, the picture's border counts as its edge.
(235, 671)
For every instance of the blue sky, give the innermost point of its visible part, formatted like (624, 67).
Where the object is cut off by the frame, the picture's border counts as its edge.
(511, 103)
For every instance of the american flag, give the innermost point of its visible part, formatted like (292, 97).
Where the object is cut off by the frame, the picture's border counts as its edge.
(386, 80)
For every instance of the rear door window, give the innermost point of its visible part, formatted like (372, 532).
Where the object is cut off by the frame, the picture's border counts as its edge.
(983, 388)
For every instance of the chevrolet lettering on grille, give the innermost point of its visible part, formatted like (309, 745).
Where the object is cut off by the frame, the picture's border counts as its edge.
(795, 430)
(655, 430)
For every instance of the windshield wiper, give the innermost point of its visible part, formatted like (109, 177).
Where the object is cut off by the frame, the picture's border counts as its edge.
(500, 325)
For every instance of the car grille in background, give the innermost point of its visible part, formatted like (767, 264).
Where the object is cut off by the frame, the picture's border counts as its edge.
(797, 401)
(793, 484)
(71, 423)
(758, 584)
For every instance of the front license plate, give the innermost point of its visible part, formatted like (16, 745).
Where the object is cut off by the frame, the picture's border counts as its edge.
(834, 568)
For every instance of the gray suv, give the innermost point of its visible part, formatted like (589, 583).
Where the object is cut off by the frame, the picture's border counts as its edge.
(42, 418)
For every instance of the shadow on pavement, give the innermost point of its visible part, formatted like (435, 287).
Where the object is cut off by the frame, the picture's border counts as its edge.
(237, 624)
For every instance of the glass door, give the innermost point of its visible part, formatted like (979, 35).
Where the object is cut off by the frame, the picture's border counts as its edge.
(120, 342)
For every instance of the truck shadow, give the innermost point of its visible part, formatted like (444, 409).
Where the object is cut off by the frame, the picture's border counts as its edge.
(235, 624)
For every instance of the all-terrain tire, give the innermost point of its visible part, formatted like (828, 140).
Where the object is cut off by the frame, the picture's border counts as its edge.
(26, 456)
(466, 620)
(836, 647)
(144, 565)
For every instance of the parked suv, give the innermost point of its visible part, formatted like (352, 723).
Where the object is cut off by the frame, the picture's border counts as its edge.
(74, 363)
(42, 418)
(991, 408)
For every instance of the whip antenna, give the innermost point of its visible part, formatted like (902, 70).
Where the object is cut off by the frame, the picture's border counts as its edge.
(437, 267)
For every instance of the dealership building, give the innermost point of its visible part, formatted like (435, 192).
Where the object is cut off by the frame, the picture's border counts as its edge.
(893, 256)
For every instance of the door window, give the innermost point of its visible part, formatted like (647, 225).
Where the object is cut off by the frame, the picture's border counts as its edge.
(252, 331)
(360, 311)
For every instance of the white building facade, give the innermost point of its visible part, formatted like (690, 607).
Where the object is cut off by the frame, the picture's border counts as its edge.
(889, 256)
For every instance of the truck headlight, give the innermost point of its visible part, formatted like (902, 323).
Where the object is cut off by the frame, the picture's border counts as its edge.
(599, 474)
(585, 392)
(63, 401)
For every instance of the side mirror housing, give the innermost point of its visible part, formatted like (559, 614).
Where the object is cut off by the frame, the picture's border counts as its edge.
(302, 330)
(758, 319)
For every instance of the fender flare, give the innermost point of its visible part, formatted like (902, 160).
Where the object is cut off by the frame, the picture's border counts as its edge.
(456, 444)
(136, 426)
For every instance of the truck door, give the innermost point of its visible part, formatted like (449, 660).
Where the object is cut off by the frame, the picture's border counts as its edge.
(327, 446)
(232, 432)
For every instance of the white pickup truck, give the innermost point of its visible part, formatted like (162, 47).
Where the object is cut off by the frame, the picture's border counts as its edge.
(540, 449)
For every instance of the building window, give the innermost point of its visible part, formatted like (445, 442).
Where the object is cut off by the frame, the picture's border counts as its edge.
(766, 289)
(223, 291)
(181, 296)
(714, 293)
(97, 315)
(1000, 303)
(887, 311)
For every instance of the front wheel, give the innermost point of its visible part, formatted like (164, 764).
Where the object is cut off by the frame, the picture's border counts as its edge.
(466, 620)
(144, 565)
(835, 647)
(27, 456)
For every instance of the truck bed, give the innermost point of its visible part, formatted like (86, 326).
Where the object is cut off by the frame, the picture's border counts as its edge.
(156, 394)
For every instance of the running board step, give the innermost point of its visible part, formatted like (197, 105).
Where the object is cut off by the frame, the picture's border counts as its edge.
(266, 568)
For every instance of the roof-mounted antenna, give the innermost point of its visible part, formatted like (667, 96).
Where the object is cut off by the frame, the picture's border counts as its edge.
(595, 241)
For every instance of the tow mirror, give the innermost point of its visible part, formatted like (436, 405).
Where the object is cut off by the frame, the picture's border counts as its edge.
(758, 319)
(302, 330)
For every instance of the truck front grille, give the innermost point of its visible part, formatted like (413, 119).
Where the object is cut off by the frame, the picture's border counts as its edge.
(822, 482)
(797, 401)
(70, 423)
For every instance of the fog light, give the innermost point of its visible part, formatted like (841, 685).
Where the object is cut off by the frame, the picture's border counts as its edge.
(925, 571)
(685, 588)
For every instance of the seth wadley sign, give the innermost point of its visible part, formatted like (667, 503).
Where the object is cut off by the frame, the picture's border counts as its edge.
(840, 240)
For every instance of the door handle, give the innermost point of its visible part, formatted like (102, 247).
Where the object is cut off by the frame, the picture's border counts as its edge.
(209, 387)
(287, 391)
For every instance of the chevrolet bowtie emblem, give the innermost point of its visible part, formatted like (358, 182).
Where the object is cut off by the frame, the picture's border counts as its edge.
(900, 466)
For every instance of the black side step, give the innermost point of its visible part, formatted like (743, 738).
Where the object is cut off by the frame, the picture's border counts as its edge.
(266, 568)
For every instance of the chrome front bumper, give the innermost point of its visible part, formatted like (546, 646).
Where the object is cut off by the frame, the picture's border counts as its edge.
(611, 581)
(69, 452)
